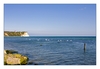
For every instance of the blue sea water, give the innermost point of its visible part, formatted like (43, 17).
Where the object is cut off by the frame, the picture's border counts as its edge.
(55, 50)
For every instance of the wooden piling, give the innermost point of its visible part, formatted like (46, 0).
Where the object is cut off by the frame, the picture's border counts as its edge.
(84, 46)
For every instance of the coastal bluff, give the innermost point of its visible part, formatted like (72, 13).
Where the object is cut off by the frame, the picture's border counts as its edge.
(15, 33)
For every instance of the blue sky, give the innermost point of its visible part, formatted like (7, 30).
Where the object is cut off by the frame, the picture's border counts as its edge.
(51, 19)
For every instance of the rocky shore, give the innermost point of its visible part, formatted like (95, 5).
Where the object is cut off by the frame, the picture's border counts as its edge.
(12, 57)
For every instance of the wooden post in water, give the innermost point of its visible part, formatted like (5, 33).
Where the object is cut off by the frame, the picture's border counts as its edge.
(84, 46)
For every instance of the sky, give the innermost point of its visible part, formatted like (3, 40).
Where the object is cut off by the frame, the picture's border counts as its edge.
(51, 19)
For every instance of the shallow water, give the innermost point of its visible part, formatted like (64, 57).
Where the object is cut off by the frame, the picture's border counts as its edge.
(55, 50)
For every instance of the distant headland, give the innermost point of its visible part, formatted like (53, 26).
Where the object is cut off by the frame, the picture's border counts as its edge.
(15, 33)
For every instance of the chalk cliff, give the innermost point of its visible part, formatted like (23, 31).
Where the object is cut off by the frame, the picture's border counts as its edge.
(15, 33)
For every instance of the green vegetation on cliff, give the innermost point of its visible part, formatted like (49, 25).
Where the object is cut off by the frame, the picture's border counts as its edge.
(14, 33)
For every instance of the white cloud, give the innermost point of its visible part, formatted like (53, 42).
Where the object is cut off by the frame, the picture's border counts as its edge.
(84, 8)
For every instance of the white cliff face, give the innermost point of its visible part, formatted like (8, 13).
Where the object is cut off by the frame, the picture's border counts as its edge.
(6, 34)
(25, 34)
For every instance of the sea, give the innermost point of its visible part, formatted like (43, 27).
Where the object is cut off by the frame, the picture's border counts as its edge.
(55, 50)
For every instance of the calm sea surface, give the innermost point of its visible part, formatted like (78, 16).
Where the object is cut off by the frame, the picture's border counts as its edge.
(55, 50)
